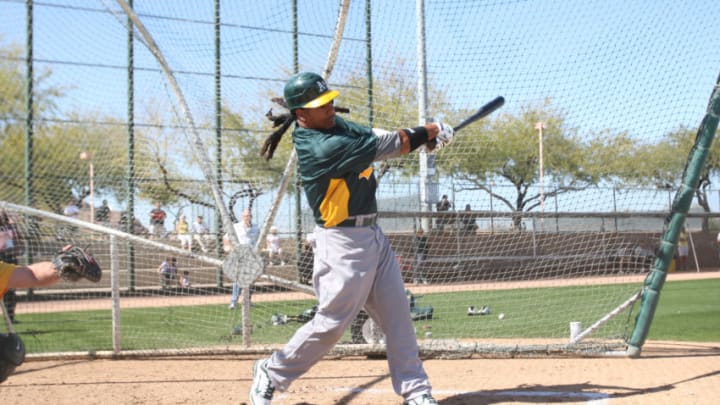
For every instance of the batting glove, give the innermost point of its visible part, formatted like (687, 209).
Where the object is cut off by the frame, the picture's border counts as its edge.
(445, 136)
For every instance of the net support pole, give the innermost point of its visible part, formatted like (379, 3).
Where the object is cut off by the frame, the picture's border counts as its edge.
(426, 161)
(218, 138)
(130, 180)
(115, 295)
(368, 61)
(29, 119)
(694, 252)
(675, 222)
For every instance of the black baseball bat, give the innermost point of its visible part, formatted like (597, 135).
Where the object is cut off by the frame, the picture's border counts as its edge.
(483, 112)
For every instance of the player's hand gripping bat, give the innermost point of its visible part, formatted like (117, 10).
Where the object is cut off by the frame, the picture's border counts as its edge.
(483, 112)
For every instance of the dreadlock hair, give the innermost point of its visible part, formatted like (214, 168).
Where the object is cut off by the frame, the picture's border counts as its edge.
(283, 121)
(271, 142)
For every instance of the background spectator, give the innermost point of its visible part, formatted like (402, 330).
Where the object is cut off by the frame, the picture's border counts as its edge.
(102, 213)
(200, 232)
(421, 250)
(443, 205)
(469, 225)
(168, 272)
(185, 279)
(247, 234)
(66, 232)
(71, 209)
(273, 246)
(157, 221)
(682, 250)
(183, 232)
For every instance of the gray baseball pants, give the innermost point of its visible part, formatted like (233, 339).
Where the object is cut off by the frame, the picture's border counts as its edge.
(354, 267)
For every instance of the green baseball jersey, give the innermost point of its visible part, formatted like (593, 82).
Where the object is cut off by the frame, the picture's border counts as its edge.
(336, 170)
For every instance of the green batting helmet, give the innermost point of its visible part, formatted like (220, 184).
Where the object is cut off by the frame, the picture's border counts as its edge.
(308, 90)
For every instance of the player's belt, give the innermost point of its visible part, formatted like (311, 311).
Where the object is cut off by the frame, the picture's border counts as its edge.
(359, 220)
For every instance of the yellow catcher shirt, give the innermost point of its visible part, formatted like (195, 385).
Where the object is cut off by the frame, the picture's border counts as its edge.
(6, 270)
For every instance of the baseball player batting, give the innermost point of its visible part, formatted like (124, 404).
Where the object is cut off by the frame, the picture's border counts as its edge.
(354, 265)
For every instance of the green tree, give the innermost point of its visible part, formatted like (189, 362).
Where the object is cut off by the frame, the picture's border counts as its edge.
(395, 101)
(662, 164)
(59, 175)
(506, 148)
(242, 143)
(160, 157)
(13, 112)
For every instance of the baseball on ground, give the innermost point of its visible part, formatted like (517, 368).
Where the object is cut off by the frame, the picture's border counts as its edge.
(501, 317)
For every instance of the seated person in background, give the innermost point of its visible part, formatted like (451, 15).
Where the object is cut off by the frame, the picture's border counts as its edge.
(200, 232)
(71, 209)
(168, 272)
(468, 221)
(102, 214)
(185, 279)
(273, 247)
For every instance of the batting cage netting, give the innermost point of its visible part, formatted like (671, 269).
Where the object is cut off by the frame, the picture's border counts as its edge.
(134, 128)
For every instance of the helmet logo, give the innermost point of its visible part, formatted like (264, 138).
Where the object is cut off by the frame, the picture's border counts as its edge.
(307, 89)
(322, 86)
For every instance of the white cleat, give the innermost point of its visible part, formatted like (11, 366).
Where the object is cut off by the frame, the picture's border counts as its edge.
(424, 399)
(261, 391)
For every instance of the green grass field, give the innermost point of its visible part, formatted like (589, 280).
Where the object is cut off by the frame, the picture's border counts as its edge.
(688, 311)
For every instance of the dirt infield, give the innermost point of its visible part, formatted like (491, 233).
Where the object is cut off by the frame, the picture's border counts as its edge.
(667, 373)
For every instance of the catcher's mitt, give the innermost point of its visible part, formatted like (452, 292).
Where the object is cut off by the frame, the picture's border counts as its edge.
(12, 354)
(73, 263)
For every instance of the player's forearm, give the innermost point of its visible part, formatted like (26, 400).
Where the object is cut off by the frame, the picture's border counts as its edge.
(402, 141)
(41, 274)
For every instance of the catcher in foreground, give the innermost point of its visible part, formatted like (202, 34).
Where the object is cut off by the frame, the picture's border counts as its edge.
(71, 263)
